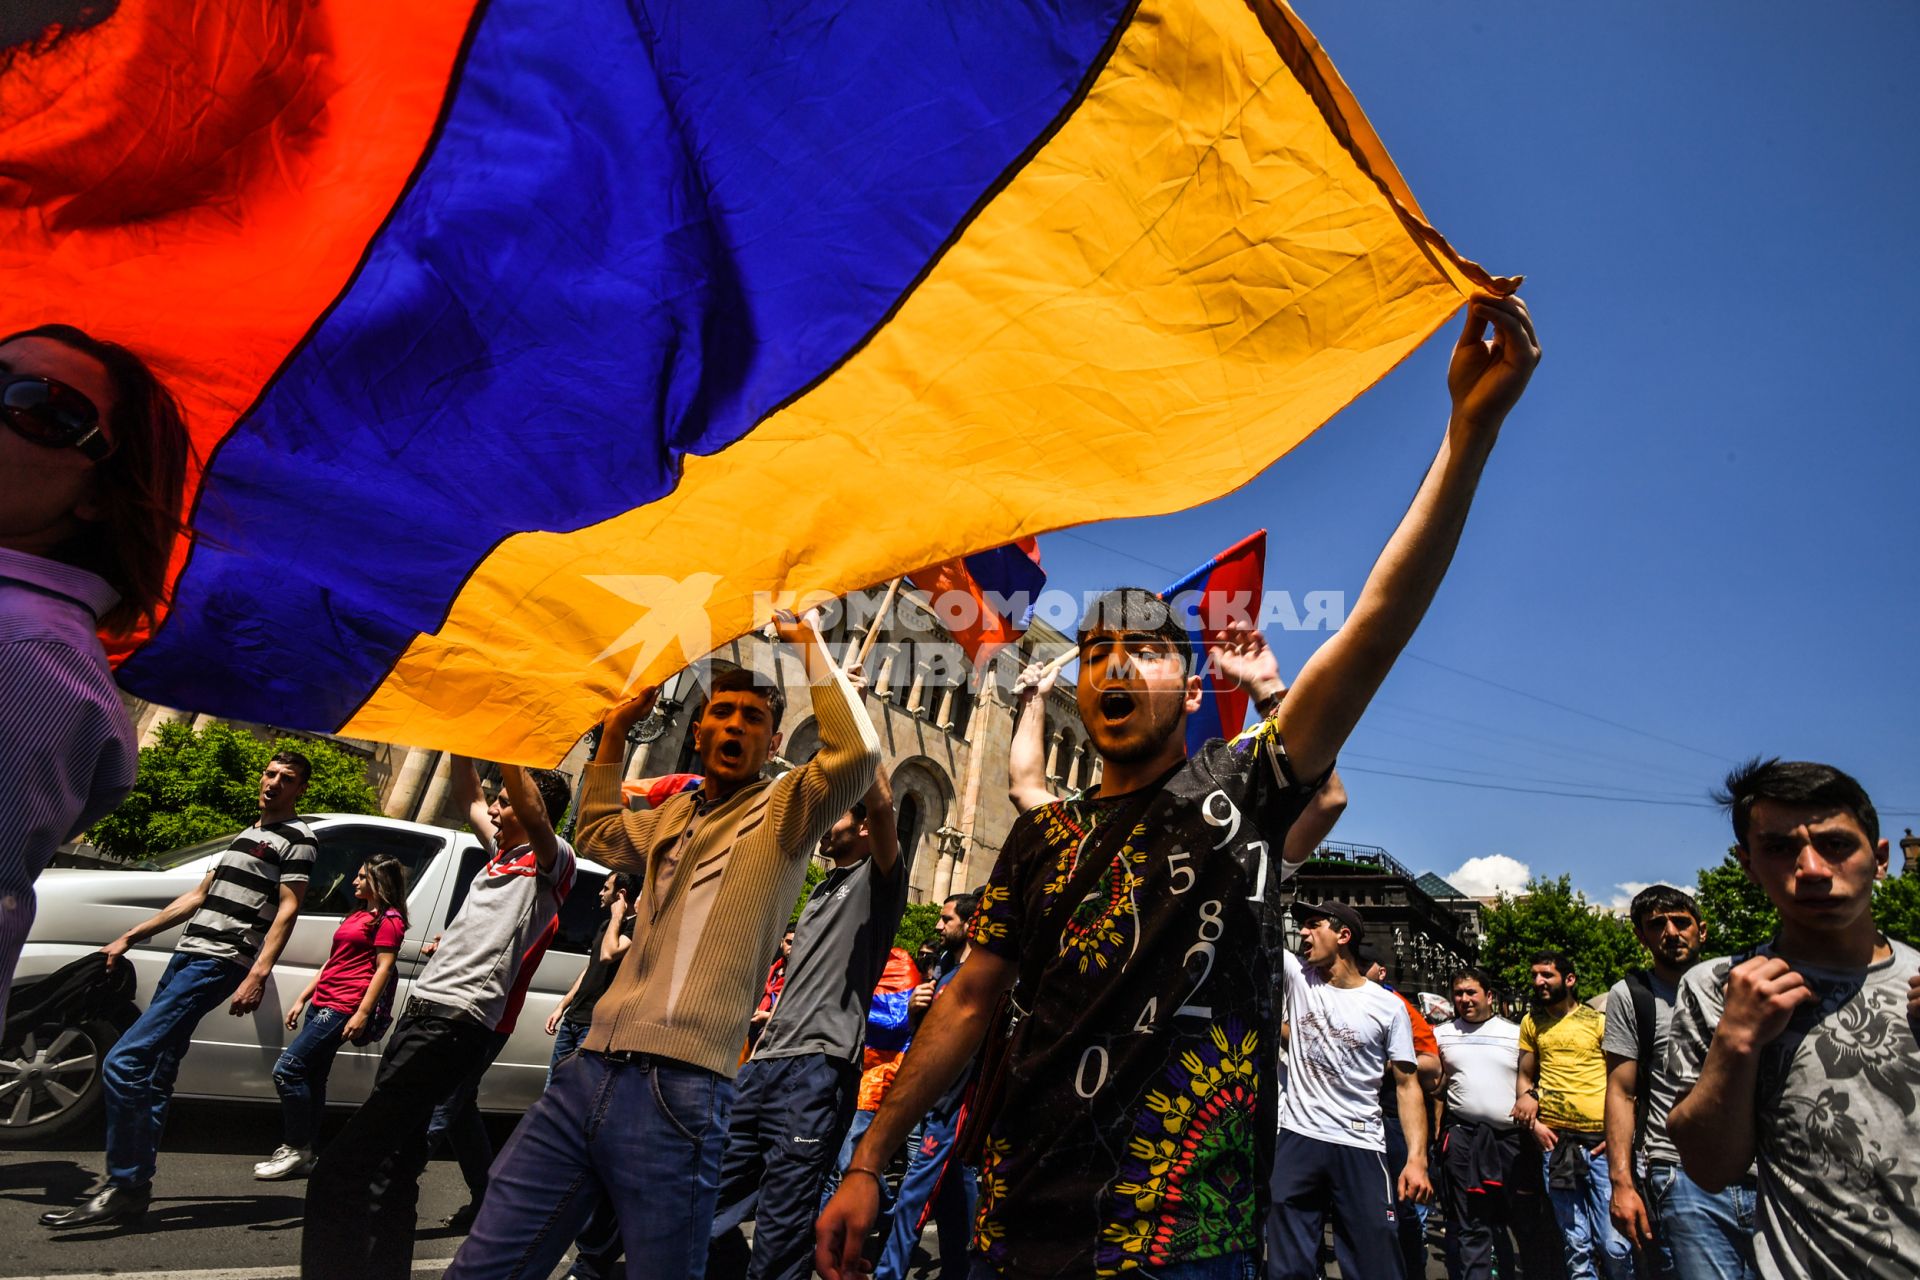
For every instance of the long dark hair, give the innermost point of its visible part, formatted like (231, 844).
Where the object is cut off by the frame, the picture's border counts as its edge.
(141, 483)
(389, 877)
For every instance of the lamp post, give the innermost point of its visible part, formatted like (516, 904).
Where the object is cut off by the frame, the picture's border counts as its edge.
(1910, 854)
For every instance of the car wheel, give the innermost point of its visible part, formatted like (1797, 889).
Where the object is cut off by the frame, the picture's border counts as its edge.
(50, 1081)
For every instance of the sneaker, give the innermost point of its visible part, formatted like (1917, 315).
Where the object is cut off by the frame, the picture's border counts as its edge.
(285, 1162)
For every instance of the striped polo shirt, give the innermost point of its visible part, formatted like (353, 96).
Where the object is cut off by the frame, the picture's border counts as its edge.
(245, 893)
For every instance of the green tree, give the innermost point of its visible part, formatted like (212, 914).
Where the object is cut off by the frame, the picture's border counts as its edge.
(1896, 908)
(918, 925)
(1737, 911)
(196, 785)
(815, 874)
(1739, 915)
(1554, 916)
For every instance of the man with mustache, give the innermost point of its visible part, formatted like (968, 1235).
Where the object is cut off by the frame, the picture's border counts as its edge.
(1563, 1086)
(1142, 921)
(1682, 1232)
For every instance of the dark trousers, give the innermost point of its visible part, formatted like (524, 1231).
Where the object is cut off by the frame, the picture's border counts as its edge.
(789, 1115)
(362, 1195)
(643, 1133)
(1478, 1191)
(1410, 1217)
(457, 1123)
(1311, 1177)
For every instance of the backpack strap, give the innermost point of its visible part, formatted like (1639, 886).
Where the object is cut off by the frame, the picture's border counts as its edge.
(1646, 1024)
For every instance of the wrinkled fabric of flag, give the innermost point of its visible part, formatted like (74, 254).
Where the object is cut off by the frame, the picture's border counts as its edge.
(985, 600)
(537, 347)
(1220, 594)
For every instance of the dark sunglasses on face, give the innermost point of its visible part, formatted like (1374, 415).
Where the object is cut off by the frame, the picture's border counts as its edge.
(53, 415)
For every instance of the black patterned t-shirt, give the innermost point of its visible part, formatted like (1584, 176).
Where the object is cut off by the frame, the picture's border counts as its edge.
(1129, 1135)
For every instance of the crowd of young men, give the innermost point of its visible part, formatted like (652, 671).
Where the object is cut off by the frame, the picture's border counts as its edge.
(1128, 971)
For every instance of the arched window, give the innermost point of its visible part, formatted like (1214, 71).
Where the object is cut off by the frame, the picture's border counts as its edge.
(907, 824)
(962, 708)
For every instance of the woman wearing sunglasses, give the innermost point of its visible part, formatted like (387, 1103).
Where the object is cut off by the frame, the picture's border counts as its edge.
(93, 458)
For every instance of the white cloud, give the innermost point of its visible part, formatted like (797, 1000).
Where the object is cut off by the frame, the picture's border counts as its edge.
(1495, 873)
(1623, 894)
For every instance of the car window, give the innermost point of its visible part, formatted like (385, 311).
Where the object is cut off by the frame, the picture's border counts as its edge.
(344, 847)
(471, 860)
(580, 914)
(181, 857)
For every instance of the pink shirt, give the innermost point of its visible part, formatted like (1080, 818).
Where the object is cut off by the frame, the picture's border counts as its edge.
(349, 969)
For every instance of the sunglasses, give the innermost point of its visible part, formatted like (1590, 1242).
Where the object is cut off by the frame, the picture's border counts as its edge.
(53, 415)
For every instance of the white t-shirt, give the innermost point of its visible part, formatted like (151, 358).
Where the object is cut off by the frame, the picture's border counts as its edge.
(1341, 1041)
(1482, 1062)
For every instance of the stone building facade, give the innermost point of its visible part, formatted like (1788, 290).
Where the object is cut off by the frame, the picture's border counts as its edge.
(945, 732)
(1419, 939)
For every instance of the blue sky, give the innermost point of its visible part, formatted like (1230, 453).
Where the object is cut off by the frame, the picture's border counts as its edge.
(1701, 525)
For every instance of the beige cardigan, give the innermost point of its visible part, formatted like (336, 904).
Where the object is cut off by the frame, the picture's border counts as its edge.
(687, 987)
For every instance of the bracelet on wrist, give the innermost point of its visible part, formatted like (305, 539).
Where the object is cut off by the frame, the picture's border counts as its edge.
(878, 1180)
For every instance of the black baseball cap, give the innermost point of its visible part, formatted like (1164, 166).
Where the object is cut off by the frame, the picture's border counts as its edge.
(1339, 913)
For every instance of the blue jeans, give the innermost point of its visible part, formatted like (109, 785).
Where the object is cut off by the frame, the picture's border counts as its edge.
(1594, 1247)
(1228, 1266)
(1699, 1235)
(856, 1130)
(567, 1037)
(138, 1074)
(301, 1075)
(645, 1133)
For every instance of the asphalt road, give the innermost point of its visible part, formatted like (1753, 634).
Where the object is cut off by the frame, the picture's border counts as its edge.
(208, 1213)
(209, 1220)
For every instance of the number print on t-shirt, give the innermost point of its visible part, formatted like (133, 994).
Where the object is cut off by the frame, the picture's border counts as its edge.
(1129, 1137)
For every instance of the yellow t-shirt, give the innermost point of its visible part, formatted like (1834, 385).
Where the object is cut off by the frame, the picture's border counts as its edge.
(1573, 1070)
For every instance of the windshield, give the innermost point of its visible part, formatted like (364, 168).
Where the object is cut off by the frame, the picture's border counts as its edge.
(180, 857)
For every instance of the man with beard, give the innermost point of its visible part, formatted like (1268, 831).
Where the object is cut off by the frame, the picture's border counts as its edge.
(1142, 921)
(1563, 1085)
(1682, 1232)
(1802, 1052)
(638, 1116)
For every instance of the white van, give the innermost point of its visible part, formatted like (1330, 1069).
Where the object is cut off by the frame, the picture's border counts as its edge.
(50, 1079)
